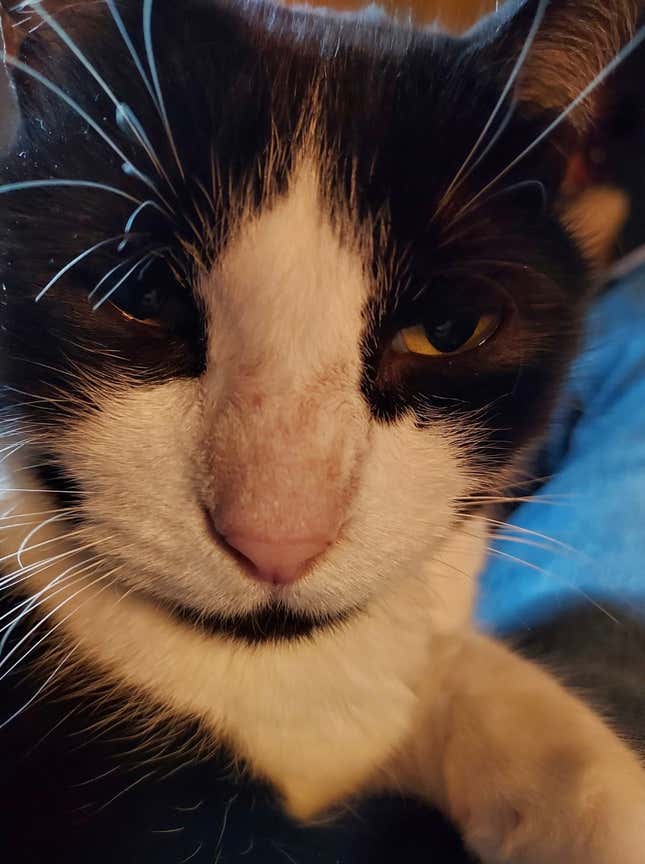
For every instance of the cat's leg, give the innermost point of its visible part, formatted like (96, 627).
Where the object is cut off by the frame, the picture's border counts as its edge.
(528, 772)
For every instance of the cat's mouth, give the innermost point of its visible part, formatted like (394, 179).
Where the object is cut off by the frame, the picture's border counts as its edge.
(272, 622)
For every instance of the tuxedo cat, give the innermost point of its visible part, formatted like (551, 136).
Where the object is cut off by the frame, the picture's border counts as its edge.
(287, 298)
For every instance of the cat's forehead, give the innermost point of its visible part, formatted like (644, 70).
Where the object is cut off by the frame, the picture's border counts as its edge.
(288, 292)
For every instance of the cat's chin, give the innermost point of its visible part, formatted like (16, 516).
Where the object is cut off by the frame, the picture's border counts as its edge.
(272, 622)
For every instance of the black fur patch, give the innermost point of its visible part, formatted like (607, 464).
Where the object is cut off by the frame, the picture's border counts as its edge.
(272, 623)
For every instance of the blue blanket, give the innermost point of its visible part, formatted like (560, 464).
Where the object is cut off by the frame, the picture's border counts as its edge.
(583, 534)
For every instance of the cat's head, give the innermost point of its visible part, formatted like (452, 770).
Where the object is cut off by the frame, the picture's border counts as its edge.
(299, 294)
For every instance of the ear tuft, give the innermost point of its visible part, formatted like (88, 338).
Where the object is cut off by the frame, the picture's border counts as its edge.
(576, 41)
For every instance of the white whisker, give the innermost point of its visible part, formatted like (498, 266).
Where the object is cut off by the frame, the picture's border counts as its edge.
(42, 543)
(118, 20)
(111, 272)
(45, 594)
(80, 184)
(130, 223)
(53, 629)
(127, 789)
(120, 282)
(24, 545)
(517, 68)
(508, 557)
(509, 526)
(622, 55)
(62, 34)
(14, 624)
(131, 170)
(78, 259)
(152, 65)
(18, 575)
(126, 117)
(27, 70)
(40, 690)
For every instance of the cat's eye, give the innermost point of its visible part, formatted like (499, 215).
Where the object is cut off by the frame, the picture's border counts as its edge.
(449, 327)
(143, 306)
(155, 300)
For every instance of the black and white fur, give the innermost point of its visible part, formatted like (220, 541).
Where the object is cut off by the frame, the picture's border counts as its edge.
(305, 187)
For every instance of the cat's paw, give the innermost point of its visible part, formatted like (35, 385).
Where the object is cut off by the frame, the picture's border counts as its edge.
(554, 810)
(529, 774)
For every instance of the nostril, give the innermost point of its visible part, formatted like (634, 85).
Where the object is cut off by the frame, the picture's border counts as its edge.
(280, 561)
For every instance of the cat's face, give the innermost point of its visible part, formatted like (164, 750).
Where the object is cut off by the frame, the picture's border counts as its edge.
(314, 353)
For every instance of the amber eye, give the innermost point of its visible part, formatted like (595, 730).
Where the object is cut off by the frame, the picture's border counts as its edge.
(450, 325)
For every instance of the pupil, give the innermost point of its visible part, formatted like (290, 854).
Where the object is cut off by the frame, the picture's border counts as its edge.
(150, 302)
(448, 331)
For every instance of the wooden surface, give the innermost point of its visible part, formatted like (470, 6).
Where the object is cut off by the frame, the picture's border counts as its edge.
(452, 14)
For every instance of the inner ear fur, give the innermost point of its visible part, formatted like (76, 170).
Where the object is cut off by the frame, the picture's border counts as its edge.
(575, 41)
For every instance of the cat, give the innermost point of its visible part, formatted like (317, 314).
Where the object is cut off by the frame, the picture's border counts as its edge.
(287, 299)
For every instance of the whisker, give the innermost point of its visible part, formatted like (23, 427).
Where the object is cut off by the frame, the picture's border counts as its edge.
(62, 34)
(120, 282)
(507, 556)
(46, 82)
(550, 501)
(130, 223)
(45, 594)
(517, 68)
(118, 20)
(81, 184)
(24, 545)
(56, 726)
(12, 515)
(126, 117)
(9, 451)
(519, 529)
(11, 490)
(53, 629)
(5, 580)
(471, 205)
(131, 170)
(11, 555)
(14, 624)
(127, 789)
(620, 57)
(536, 544)
(112, 271)
(194, 853)
(79, 258)
(40, 690)
(25, 574)
(152, 65)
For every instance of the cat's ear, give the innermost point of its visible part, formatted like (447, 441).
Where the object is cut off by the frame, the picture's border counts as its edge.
(9, 106)
(565, 46)
(558, 51)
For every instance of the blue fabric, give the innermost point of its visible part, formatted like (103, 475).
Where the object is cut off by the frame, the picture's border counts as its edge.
(594, 505)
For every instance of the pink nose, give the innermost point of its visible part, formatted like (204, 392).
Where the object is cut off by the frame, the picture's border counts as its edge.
(279, 561)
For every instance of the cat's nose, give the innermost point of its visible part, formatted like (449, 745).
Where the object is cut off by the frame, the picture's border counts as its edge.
(280, 561)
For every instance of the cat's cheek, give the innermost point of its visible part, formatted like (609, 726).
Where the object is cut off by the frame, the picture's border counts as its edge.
(138, 458)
